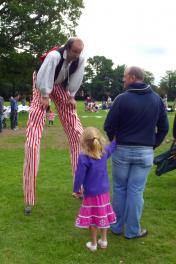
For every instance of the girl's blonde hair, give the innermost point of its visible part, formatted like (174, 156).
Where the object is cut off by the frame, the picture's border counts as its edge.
(92, 142)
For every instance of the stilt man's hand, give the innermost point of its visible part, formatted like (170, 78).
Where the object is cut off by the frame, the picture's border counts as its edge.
(44, 102)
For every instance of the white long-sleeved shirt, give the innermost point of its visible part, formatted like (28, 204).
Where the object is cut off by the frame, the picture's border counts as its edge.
(45, 75)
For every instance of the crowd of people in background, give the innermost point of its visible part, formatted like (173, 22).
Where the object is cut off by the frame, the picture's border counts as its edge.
(89, 105)
(92, 106)
(11, 111)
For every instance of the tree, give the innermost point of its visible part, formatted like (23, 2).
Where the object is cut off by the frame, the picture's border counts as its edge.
(15, 74)
(101, 79)
(27, 29)
(97, 66)
(149, 78)
(35, 25)
(97, 78)
(168, 85)
(117, 84)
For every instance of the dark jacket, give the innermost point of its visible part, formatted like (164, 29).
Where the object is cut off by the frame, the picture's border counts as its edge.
(14, 105)
(137, 117)
(1, 105)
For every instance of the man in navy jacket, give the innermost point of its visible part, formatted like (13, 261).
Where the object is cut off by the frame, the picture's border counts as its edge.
(14, 111)
(1, 112)
(138, 121)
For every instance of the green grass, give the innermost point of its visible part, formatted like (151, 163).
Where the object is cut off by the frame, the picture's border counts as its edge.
(48, 236)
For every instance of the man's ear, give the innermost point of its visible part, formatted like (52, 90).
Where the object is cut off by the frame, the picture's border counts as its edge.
(133, 77)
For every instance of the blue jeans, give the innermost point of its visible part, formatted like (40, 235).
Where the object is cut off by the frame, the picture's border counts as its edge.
(130, 168)
(13, 117)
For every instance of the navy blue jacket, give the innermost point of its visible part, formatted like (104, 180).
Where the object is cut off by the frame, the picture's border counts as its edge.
(137, 117)
(1, 105)
(14, 105)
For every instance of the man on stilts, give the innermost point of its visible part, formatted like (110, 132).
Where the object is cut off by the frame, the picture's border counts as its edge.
(58, 78)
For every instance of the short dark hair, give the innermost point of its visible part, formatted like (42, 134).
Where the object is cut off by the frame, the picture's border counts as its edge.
(137, 72)
(16, 94)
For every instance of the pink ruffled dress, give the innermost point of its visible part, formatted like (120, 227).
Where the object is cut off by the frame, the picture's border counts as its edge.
(96, 211)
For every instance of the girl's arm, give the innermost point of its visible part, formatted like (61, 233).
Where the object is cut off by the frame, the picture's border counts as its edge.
(111, 148)
(80, 174)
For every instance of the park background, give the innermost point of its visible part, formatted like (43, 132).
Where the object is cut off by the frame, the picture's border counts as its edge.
(113, 39)
(48, 236)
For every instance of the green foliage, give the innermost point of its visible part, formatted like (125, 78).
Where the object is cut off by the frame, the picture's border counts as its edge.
(37, 25)
(168, 85)
(117, 83)
(98, 65)
(27, 29)
(103, 79)
(16, 74)
(149, 78)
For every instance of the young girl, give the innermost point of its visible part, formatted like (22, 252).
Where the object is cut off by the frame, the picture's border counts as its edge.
(96, 211)
(51, 116)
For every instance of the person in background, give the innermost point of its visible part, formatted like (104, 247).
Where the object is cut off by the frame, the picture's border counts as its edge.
(165, 101)
(14, 111)
(104, 104)
(58, 78)
(139, 122)
(96, 211)
(88, 101)
(23, 101)
(51, 116)
(1, 112)
(109, 102)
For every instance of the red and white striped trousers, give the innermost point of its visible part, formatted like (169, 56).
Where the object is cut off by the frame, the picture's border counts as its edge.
(72, 127)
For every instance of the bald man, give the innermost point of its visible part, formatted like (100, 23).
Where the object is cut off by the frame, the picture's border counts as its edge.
(58, 78)
(138, 121)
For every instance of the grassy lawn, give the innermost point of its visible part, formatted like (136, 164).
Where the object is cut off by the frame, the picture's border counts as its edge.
(48, 236)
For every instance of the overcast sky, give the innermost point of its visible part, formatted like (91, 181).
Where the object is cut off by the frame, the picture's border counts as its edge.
(131, 32)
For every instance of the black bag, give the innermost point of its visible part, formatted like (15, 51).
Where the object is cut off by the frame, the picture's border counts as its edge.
(166, 161)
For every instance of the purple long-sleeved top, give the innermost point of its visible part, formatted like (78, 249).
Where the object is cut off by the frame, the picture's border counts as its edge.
(92, 173)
